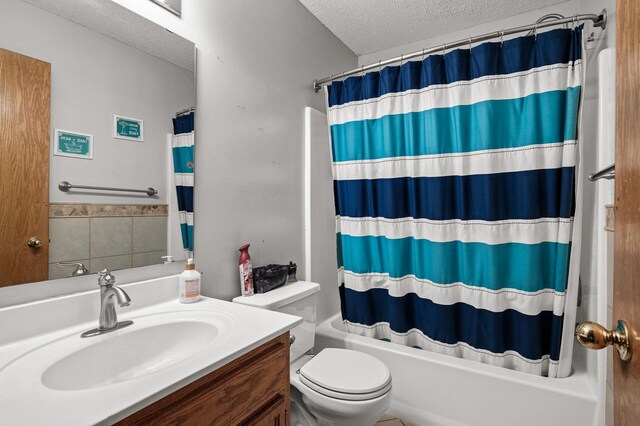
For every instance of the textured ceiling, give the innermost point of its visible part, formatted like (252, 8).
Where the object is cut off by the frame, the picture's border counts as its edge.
(117, 22)
(367, 26)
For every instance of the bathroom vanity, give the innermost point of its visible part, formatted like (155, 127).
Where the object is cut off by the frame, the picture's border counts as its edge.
(251, 390)
(210, 362)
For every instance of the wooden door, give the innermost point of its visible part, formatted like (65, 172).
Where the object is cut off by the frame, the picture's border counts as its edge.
(25, 102)
(626, 300)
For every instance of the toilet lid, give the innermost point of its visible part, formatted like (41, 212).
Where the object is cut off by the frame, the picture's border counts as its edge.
(346, 374)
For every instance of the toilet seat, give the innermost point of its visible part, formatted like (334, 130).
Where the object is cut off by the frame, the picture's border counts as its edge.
(346, 374)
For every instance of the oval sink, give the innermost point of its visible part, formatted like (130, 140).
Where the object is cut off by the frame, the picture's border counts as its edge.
(131, 354)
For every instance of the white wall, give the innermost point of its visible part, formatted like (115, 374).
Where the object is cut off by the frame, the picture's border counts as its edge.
(256, 63)
(92, 77)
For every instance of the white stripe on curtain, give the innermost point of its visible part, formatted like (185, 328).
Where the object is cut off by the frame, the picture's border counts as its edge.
(532, 231)
(415, 338)
(182, 140)
(493, 87)
(531, 157)
(184, 179)
(530, 303)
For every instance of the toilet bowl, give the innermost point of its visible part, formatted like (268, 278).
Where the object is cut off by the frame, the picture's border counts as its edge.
(339, 387)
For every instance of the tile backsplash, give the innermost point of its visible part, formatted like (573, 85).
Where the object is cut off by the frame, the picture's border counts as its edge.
(114, 236)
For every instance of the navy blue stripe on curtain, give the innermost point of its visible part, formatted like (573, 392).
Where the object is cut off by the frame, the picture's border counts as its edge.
(532, 336)
(183, 124)
(185, 198)
(520, 54)
(516, 195)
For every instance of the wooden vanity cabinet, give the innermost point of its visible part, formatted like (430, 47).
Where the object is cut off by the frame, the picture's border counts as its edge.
(251, 390)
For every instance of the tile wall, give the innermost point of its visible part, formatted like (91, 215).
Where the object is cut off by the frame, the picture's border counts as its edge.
(114, 236)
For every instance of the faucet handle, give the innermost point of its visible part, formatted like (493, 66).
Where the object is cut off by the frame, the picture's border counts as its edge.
(80, 269)
(106, 278)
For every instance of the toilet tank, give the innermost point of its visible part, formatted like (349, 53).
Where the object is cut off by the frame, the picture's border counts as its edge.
(299, 298)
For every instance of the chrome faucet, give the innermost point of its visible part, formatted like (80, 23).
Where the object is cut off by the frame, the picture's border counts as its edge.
(108, 320)
(80, 269)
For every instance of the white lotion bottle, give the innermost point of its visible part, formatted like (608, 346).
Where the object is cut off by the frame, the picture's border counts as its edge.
(189, 283)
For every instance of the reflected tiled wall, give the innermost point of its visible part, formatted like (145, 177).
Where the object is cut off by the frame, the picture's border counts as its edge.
(114, 236)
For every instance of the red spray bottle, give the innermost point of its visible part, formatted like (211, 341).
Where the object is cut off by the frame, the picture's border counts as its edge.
(246, 271)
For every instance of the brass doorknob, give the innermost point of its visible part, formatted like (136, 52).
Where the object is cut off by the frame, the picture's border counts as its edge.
(34, 243)
(592, 335)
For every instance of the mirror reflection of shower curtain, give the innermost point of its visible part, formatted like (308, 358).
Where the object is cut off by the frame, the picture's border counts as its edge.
(456, 181)
(183, 168)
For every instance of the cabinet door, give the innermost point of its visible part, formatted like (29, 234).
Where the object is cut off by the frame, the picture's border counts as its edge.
(253, 389)
(262, 380)
(203, 404)
(275, 414)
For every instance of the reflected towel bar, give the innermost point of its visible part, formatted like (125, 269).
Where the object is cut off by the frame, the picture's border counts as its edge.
(607, 173)
(65, 186)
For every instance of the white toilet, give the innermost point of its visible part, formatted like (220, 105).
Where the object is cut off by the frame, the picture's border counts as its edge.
(336, 386)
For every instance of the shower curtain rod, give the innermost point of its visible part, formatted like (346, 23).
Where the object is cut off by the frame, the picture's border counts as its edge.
(185, 111)
(598, 21)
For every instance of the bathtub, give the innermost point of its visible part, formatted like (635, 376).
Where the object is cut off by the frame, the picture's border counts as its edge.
(436, 389)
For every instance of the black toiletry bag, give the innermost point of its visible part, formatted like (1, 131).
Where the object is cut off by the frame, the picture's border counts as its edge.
(266, 278)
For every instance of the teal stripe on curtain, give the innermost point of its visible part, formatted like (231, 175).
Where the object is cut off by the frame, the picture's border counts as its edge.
(183, 159)
(485, 125)
(524, 267)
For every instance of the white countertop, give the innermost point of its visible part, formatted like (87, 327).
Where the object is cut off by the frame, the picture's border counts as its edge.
(25, 400)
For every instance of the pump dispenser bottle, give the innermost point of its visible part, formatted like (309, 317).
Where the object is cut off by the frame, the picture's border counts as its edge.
(190, 283)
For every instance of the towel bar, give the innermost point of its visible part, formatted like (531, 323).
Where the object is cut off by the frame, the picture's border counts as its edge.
(65, 186)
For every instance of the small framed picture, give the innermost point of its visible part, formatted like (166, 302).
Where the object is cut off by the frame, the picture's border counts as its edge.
(73, 144)
(128, 128)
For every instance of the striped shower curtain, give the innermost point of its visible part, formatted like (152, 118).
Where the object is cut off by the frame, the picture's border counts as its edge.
(182, 144)
(455, 182)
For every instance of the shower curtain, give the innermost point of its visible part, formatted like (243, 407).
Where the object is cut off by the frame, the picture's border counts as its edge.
(456, 181)
(182, 144)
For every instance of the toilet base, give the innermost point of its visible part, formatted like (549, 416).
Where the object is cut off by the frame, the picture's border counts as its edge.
(300, 416)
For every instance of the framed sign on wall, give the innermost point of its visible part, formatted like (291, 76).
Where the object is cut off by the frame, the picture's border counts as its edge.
(128, 128)
(73, 144)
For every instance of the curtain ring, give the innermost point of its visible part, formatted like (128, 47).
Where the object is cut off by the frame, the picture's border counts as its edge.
(535, 31)
(501, 38)
(469, 45)
(422, 55)
(576, 22)
(401, 59)
(444, 50)
(362, 70)
(379, 67)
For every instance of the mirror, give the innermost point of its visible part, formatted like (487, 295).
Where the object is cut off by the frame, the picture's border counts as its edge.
(90, 97)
